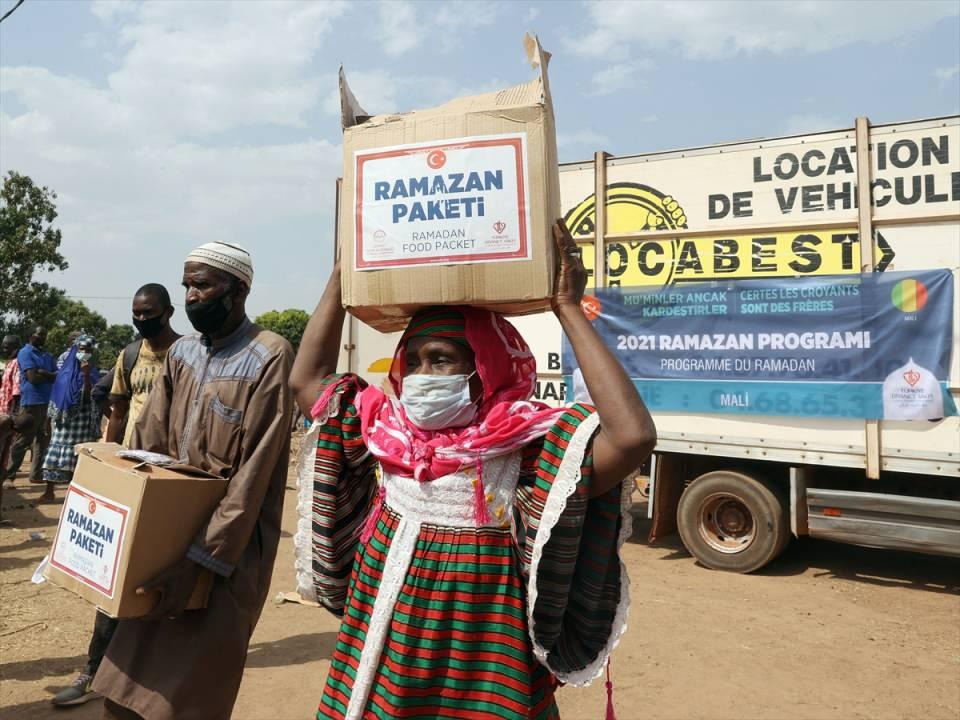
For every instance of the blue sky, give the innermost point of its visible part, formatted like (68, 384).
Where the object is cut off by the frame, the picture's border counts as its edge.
(162, 125)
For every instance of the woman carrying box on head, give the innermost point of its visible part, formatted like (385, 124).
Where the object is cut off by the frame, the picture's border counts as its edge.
(468, 536)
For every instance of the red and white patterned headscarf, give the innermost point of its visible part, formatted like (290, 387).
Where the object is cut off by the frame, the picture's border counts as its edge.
(506, 419)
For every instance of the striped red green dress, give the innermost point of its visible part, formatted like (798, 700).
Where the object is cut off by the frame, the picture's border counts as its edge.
(445, 619)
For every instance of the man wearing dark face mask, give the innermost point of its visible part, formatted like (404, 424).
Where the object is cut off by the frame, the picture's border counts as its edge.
(222, 404)
(152, 311)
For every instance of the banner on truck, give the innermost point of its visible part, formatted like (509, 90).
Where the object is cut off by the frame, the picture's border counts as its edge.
(463, 200)
(864, 346)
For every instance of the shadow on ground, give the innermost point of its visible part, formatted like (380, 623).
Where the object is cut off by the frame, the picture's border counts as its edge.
(293, 650)
(28, 670)
(873, 566)
(42, 709)
(19, 507)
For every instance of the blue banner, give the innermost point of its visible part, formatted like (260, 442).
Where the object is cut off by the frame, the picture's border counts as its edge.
(868, 346)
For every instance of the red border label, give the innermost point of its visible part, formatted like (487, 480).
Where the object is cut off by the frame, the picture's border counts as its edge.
(519, 254)
(108, 591)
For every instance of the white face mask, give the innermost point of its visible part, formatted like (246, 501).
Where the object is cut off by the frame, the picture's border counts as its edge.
(435, 402)
(84, 356)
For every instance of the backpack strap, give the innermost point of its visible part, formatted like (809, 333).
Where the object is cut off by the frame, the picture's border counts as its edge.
(130, 354)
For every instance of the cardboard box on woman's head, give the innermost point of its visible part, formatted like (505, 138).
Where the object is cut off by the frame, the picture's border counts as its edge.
(452, 205)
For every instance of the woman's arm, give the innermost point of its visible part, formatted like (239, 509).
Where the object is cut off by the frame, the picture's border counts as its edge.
(320, 346)
(87, 385)
(627, 434)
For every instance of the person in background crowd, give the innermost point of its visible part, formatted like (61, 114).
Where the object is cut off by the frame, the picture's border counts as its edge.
(37, 373)
(72, 338)
(74, 416)
(10, 424)
(9, 393)
(223, 405)
(152, 311)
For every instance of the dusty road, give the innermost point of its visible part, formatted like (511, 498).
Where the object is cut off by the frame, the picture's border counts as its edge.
(828, 631)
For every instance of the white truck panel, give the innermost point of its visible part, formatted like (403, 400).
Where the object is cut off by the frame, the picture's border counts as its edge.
(673, 190)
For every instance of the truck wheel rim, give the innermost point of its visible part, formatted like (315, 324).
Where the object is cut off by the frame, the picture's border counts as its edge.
(726, 524)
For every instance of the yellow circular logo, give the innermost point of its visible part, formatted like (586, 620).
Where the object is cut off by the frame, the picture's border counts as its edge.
(632, 207)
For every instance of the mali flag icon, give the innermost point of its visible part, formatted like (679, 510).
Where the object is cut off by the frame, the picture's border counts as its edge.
(909, 295)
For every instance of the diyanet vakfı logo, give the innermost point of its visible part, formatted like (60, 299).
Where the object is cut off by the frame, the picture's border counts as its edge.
(911, 392)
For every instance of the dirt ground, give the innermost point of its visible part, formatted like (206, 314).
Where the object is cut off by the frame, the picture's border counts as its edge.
(828, 631)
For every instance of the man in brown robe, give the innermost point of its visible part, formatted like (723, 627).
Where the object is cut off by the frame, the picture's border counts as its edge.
(223, 405)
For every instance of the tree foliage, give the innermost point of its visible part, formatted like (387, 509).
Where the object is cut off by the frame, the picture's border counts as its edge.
(28, 243)
(288, 323)
(71, 316)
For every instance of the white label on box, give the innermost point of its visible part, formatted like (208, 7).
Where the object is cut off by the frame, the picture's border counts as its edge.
(90, 539)
(443, 202)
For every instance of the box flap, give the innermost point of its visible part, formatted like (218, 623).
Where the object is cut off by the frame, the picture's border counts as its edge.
(107, 454)
(538, 59)
(536, 92)
(350, 111)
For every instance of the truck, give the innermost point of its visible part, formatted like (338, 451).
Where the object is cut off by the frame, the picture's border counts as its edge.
(738, 485)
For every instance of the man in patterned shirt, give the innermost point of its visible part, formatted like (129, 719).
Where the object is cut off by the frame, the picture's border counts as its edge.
(152, 311)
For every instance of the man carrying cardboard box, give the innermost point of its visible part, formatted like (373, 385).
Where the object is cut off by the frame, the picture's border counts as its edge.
(222, 405)
(138, 365)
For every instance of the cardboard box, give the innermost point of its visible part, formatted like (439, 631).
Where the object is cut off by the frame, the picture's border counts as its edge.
(451, 205)
(124, 522)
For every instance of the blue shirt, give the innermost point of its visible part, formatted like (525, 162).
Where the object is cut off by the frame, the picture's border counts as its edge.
(32, 359)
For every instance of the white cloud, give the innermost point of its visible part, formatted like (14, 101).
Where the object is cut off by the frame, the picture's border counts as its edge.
(110, 10)
(197, 67)
(590, 138)
(946, 74)
(714, 29)
(465, 14)
(140, 162)
(403, 26)
(398, 29)
(812, 122)
(617, 77)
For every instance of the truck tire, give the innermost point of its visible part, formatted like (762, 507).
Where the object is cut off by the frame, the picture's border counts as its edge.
(731, 521)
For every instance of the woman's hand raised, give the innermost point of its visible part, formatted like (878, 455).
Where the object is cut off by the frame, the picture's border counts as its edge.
(571, 278)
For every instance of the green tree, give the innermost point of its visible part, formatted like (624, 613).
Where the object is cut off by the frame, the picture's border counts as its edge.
(288, 323)
(70, 316)
(28, 243)
(113, 341)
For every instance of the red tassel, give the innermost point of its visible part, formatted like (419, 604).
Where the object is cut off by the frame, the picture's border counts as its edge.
(611, 715)
(481, 514)
(371, 522)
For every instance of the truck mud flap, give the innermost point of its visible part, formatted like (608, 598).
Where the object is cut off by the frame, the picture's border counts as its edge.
(669, 479)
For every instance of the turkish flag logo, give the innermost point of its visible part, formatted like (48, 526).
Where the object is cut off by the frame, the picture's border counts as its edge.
(92, 507)
(437, 159)
(591, 307)
(499, 226)
(912, 377)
